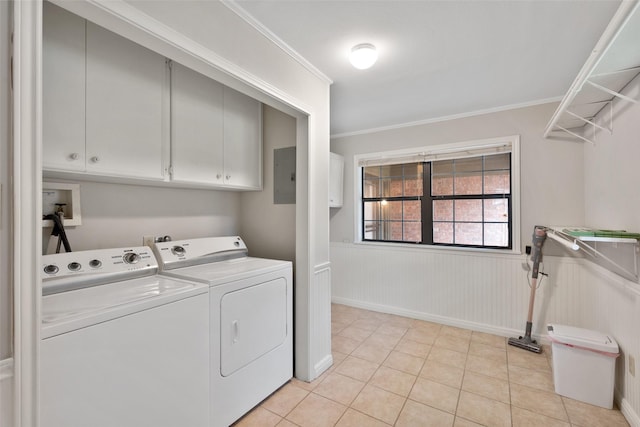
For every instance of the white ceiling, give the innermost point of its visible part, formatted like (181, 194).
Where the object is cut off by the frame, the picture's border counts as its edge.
(437, 58)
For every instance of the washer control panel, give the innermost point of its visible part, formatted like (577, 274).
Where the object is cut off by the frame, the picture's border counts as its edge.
(99, 261)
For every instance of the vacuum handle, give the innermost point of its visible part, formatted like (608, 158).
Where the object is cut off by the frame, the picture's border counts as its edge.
(539, 236)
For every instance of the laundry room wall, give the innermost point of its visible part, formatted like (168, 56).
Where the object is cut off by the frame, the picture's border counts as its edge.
(611, 167)
(267, 228)
(6, 364)
(611, 202)
(550, 172)
(473, 289)
(115, 215)
(5, 295)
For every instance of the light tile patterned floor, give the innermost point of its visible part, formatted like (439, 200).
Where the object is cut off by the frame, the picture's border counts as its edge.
(395, 371)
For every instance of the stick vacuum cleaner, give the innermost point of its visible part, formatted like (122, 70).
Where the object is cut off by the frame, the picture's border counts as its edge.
(539, 236)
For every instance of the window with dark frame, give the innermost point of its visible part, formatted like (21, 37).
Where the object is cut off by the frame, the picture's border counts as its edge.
(455, 202)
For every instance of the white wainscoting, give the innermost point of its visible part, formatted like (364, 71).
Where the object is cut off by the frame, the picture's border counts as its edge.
(321, 318)
(6, 393)
(489, 292)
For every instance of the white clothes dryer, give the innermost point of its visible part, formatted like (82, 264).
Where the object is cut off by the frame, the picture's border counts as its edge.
(251, 315)
(121, 345)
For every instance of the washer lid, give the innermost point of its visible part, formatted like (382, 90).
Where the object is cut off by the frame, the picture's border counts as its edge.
(67, 311)
(584, 338)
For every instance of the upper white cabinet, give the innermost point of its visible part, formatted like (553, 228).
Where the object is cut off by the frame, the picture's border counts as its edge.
(63, 90)
(242, 140)
(196, 127)
(102, 99)
(114, 110)
(216, 133)
(126, 84)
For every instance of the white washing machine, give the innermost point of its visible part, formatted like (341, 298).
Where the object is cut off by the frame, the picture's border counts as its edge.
(121, 345)
(251, 314)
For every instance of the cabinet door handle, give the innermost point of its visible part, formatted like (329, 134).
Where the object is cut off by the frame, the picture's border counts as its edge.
(74, 156)
(218, 176)
(95, 159)
(228, 177)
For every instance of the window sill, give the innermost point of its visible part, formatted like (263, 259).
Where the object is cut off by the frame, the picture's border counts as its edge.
(436, 249)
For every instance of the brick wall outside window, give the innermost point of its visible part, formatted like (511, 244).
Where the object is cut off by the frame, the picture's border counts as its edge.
(467, 202)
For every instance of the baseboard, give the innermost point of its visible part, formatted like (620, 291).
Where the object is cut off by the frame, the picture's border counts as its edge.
(449, 321)
(323, 365)
(632, 416)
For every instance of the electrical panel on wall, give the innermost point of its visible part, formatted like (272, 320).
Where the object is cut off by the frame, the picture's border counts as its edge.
(61, 198)
(284, 176)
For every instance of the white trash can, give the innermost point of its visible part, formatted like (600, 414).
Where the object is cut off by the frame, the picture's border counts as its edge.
(584, 364)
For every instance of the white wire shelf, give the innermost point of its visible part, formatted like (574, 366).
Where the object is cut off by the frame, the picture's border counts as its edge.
(613, 63)
(617, 254)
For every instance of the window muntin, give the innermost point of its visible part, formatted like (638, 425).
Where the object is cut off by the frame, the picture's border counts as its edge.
(471, 201)
(392, 202)
(467, 203)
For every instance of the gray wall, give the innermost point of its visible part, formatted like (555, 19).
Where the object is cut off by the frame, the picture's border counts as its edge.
(115, 215)
(611, 168)
(269, 230)
(551, 173)
(612, 202)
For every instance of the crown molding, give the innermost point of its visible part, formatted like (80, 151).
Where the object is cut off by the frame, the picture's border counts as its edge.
(248, 18)
(447, 118)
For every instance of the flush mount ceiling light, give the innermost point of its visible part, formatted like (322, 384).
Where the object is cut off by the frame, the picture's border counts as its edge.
(363, 56)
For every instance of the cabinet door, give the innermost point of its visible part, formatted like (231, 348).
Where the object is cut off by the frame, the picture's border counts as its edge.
(242, 140)
(63, 85)
(126, 87)
(196, 127)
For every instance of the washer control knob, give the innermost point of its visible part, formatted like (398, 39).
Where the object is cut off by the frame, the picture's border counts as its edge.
(74, 266)
(131, 258)
(95, 263)
(178, 250)
(51, 269)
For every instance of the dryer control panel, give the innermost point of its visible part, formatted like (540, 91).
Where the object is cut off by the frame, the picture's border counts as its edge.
(181, 253)
(72, 270)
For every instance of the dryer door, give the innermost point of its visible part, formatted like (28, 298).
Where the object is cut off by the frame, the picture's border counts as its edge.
(253, 322)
